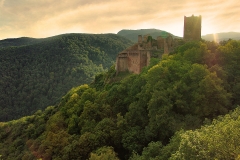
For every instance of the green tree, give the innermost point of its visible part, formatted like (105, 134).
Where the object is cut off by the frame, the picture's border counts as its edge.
(220, 140)
(104, 153)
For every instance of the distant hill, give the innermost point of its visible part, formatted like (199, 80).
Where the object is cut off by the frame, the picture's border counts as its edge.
(19, 41)
(222, 36)
(35, 73)
(133, 34)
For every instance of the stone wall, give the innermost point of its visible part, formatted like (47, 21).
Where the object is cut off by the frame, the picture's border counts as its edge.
(144, 59)
(160, 42)
(134, 61)
(122, 62)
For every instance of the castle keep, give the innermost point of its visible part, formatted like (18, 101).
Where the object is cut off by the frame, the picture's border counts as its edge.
(192, 28)
(134, 58)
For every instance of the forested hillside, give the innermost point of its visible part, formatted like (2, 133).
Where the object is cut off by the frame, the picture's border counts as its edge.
(35, 73)
(19, 41)
(184, 106)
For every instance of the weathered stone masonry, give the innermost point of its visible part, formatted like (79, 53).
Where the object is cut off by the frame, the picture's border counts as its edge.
(132, 60)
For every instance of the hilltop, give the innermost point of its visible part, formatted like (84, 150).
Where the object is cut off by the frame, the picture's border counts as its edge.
(19, 41)
(35, 73)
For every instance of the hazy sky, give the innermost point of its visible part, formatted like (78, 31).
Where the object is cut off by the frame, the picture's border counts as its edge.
(44, 18)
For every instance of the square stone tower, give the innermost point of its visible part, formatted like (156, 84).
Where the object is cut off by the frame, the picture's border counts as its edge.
(192, 28)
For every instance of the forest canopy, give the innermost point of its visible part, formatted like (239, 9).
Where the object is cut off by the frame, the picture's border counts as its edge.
(184, 106)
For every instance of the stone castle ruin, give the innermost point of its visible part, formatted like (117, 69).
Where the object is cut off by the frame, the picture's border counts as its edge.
(134, 58)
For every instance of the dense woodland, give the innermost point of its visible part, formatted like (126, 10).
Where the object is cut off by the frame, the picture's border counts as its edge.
(184, 106)
(36, 73)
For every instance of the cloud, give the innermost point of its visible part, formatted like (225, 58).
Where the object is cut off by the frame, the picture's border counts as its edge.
(1, 3)
(46, 18)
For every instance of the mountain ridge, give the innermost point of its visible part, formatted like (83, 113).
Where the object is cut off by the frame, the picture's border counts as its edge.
(222, 36)
(128, 33)
(133, 34)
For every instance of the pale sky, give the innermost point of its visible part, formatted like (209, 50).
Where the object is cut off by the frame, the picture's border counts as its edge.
(45, 18)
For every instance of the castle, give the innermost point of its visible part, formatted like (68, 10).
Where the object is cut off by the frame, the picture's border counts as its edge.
(134, 58)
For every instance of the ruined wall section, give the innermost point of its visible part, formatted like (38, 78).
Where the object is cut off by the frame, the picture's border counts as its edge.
(122, 62)
(166, 47)
(144, 58)
(134, 61)
(160, 43)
